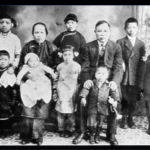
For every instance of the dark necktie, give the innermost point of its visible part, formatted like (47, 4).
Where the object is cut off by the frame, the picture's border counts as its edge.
(102, 50)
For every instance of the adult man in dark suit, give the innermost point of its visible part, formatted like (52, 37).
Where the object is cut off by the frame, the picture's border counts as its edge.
(99, 52)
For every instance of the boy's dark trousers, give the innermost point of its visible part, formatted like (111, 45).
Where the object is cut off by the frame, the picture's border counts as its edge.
(147, 106)
(130, 95)
(111, 126)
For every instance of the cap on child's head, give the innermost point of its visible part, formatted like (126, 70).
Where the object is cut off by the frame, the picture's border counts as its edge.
(71, 17)
(29, 55)
(68, 48)
(4, 52)
(130, 20)
(2, 16)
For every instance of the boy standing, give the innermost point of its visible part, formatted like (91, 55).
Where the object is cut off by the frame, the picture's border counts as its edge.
(9, 41)
(133, 51)
(99, 107)
(70, 37)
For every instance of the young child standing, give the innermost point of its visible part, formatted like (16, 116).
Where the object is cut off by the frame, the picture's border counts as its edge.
(10, 41)
(67, 87)
(99, 107)
(35, 94)
(70, 37)
(133, 51)
(7, 82)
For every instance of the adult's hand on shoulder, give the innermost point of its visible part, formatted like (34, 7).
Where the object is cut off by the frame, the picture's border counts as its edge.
(88, 84)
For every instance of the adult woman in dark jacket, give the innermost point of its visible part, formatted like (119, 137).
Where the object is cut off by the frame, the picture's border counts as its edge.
(33, 118)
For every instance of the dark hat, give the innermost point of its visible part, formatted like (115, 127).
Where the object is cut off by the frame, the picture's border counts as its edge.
(4, 52)
(71, 17)
(2, 16)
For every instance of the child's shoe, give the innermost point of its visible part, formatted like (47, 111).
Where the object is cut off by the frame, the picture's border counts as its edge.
(67, 134)
(61, 133)
(92, 133)
(124, 124)
(97, 136)
(131, 124)
(148, 131)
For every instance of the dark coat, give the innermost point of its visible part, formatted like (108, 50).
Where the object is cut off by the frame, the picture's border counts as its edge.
(45, 51)
(75, 39)
(146, 84)
(133, 59)
(98, 98)
(6, 100)
(112, 59)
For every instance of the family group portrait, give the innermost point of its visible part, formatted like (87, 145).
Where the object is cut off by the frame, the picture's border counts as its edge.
(74, 75)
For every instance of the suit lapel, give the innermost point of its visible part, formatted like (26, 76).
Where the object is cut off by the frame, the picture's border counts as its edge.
(128, 44)
(95, 49)
(108, 51)
(135, 48)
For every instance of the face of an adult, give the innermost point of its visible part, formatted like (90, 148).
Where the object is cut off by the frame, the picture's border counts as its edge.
(102, 32)
(5, 25)
(39, 33)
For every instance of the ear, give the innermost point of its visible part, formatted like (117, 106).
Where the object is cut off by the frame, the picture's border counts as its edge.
(12, 25)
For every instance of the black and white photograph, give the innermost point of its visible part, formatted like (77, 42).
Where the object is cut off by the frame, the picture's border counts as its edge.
(74, 75)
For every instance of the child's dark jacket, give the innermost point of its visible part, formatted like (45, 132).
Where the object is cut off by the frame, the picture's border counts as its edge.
(97, 100)
(73, 38)
(133, 59)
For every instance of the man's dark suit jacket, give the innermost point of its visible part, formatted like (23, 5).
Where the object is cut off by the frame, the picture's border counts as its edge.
(112, 59)
(133, 59)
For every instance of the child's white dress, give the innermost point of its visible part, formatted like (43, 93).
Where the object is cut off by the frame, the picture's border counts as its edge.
(67, 86)
(37, 86)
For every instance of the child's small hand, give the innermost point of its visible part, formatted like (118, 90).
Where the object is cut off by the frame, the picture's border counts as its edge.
(83, 101)
(114, 104)
(10, 70)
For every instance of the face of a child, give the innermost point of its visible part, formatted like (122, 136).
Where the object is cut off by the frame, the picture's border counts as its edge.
(33, 62)
(39, 33)
(132, 29)
(71, 25)
(5, 25)
(68, 56)
(4, 61)
(102, 32)
(101, 74)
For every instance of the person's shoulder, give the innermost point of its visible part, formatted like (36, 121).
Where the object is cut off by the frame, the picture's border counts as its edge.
(91, 43)
(80, 34)
(121, 40)
(76, 64)
(51, 45)
(30, 43)
(140, 41)
(14, 36)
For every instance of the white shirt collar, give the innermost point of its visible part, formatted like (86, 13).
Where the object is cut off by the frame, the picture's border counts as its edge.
(4, 35)
(132, 39)
(100, 43)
